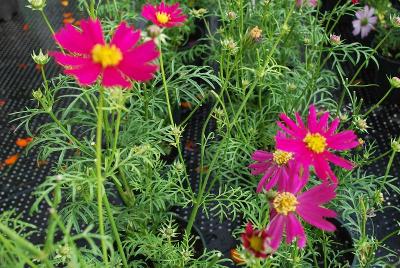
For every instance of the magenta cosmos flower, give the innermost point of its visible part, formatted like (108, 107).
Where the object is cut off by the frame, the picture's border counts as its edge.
(256, 242)
(313, 144)
(290, 203)
(273, 166)
(364, 22)
(89, 57)
(164, 15)
(312, 3)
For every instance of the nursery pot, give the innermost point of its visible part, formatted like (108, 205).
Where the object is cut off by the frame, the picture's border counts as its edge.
(8, 8)
(343, 241)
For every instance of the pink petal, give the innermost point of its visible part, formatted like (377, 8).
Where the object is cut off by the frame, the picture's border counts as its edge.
(85, 74)
(315, 216)
(339, 161)
(266, 176)
(141, 54)
(275, 230)
(112, 77)
(357, 27)
(323, 122)
(295, 229)
(72, 40)
(295, 130)
(318, 195)
(69, 60)
(289, 145)
(334, 125)
(321, 167)
(344, 140)
(125, 37)
(148, 12)
(312, 119)
(92, 30)
(141, 73)
(261, 156)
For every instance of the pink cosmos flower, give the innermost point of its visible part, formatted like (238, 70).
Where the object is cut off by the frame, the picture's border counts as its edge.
(290, 203)
(164, 15)
(257, 242)
(312, 3)
(364, 22)
(274, 167)
(312, 144)
(89, 57)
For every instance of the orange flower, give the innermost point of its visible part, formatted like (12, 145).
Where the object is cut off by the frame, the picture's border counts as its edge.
(11, 160)
(22, 143)
(67, 15)
(235, 256)
(64, 3)
(25, 27)
(68, 20)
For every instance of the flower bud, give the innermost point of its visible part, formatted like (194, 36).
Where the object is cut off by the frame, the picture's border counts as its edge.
(231, 15)
(198, 13)
(41, 59)
(37, 94)
(395, 144)
(396, 21)
(255, 33)
(394, 82)
(36, 4)
(230, 46)
(335, 39)
(154, 31)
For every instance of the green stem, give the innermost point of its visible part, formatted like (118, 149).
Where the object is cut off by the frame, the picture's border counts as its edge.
(389, 165)
(116, 133)
(50, 28)
(171, 118)
(115, 230)
(146, 102)
(100, 187)
(92, 13)
(46, 83)
(379, 103)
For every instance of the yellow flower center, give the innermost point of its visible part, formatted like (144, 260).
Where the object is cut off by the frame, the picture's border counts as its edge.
(282, 157)
(106, 55)
(315, 142)
(285, 202)
(256, 243)
(163, 17)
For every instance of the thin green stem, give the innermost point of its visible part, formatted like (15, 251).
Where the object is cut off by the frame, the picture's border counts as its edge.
(100, 179)
(46, 83)
(116, 133)
(389, 165)
(379, 102)
(115, 230)
(50, 28)
(92, 13)
(164, 79)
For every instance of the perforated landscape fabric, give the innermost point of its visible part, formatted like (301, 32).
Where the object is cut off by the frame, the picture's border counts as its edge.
(18, 76)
